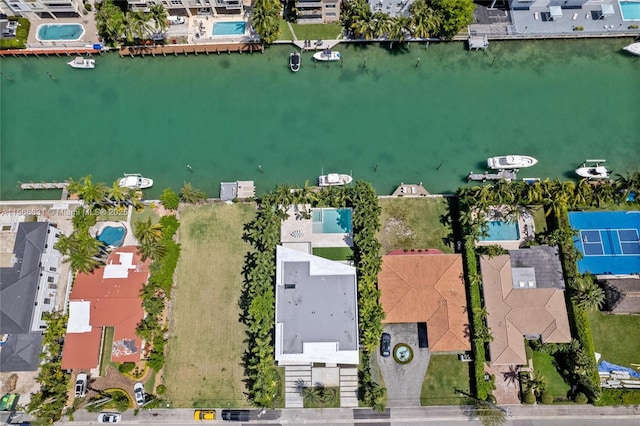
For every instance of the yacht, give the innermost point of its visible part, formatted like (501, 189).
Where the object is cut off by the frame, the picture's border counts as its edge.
(294, 61)
(82, 63)
(633, 48)
(592, 169)
(510, 162)
(135, 181)
(327, 55)
(334, 179)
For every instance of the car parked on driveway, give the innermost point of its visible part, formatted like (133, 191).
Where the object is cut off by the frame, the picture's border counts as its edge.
(204, 415)
(138, 392)
(81, 385)
(109, 418)
(385, 345)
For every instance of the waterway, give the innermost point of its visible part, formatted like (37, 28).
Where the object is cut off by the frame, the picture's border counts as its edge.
(419, 114)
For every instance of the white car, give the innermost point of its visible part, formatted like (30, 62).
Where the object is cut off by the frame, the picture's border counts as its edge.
(109, 418)
(81, 385)
(176, 20)
(138, 392)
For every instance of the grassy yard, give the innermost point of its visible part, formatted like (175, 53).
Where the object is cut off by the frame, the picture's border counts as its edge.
(285, 32)
(107, 344)
(444, 376)
(204, 362)
(333, 253)
(616, 337)
(543, 365)
(413, 223)
(317, 31)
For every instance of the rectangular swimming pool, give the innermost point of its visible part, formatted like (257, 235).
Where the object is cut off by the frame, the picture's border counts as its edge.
(229, 28)
(609, 241)
(59, 32)
(331, 221)
(502, 231)
(630, 10)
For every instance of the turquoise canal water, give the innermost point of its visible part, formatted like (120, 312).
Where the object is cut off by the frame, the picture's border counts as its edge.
(416, 115)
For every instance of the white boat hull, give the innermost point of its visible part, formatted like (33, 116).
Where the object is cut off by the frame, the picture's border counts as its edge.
(327, 56)
(508, 162)
(135, 181)
(334, 179)
(592, 169)
(633, 48)
(82, 63)
(294, 62)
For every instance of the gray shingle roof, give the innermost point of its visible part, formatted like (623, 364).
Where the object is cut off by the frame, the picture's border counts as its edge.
(545, 260)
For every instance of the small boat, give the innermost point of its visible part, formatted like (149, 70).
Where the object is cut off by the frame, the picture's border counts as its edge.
(135, 181)
(327, 55)
(510, 162)
(334, 179)
(633, 48)
(294, 61)
(591, 169)
(82, 63)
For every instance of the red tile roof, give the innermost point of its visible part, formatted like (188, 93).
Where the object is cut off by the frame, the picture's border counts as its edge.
(115, 302)
(427, 288)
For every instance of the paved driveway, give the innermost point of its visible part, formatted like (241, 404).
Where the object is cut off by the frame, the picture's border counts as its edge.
(404, 381)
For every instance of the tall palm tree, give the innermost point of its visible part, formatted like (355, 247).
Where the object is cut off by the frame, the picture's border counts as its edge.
(381, 24)
(147, 232)
(192, 195)
(153, 250)
(140, 24)
(399, 28)
(159, 17)
(589, 295)
(128, 26)
(117, 193)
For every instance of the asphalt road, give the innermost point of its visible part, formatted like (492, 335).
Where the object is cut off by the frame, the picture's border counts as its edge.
(520, 415)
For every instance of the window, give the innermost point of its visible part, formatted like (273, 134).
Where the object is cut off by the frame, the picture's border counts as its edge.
(47, 301)
(50, 279)
(330, 6)
(53, 269)
(53, 286)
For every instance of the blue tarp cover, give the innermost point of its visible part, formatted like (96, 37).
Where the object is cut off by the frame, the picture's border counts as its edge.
(607, 367)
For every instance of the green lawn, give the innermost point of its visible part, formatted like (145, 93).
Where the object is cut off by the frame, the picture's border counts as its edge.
(333, 253)
(543, 365)
(204, 365)
(616, 337)
(539, 219)
(317, 31)
(285, 32)
(107, 344)
(444, 376)
(413, 223)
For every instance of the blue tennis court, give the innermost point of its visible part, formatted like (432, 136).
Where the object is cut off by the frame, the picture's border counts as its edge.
(608, 241)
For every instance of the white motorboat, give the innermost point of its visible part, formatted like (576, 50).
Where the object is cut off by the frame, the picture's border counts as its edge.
(592, 169)
(334, 179)
(294, 61)
(135, 181)
(327, 55)
(633, 48)
(510, 162)
(82, 63)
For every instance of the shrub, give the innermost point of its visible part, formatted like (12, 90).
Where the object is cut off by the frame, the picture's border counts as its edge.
(161, 389)
(581, 398)
(529, 398)
(126, 367)
(578, 28)
(491, 399)
(169, 199)
(87, 7)
(546, 397)
(619, 397)
(633, 27)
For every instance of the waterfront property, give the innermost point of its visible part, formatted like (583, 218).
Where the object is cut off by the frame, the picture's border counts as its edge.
(609, 241)
(112, 235)
(517, 287)
(224, 28)
(306, 228)
(59, 32)
(507, 229)
(28, 289)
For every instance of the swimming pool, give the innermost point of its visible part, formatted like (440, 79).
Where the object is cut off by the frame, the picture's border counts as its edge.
(112, 235)
(331, 221)
(229, 28)
(630, 10)
(502, 231)
(59, 32)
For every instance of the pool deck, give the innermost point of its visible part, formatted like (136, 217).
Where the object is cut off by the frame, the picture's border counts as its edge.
(129, 239)
(296, 229)
(526, 229)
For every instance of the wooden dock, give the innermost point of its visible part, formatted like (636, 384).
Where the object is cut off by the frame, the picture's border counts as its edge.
(43, 185)
(410, 190)
(507, 175)
(50, 52)
(186, 49)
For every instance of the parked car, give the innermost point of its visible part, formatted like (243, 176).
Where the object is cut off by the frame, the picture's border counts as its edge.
(385, 345)
(176, 20)
(109, 418)
(138, 392)
(204, 415)
(81, 385)
(235, 415)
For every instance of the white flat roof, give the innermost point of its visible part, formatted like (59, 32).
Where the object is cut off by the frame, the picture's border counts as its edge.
(79, 317)
(120, 270)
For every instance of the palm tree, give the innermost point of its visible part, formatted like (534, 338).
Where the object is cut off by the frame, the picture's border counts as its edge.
(424, 20)
(381, 24)
(192, 195)
(117, 193)
(128, 26)
(399, 28)
(589, 295)
(91, 193)
(159, 17)
(147, 231)
(140, 24)
(153, 250)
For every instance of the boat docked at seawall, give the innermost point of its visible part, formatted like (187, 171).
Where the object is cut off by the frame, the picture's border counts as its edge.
(593, 169)
(510, 162)
(135, 181)
(633, 48)
(334, 179)
(294, 61)
(327, 55)
(82, 63)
